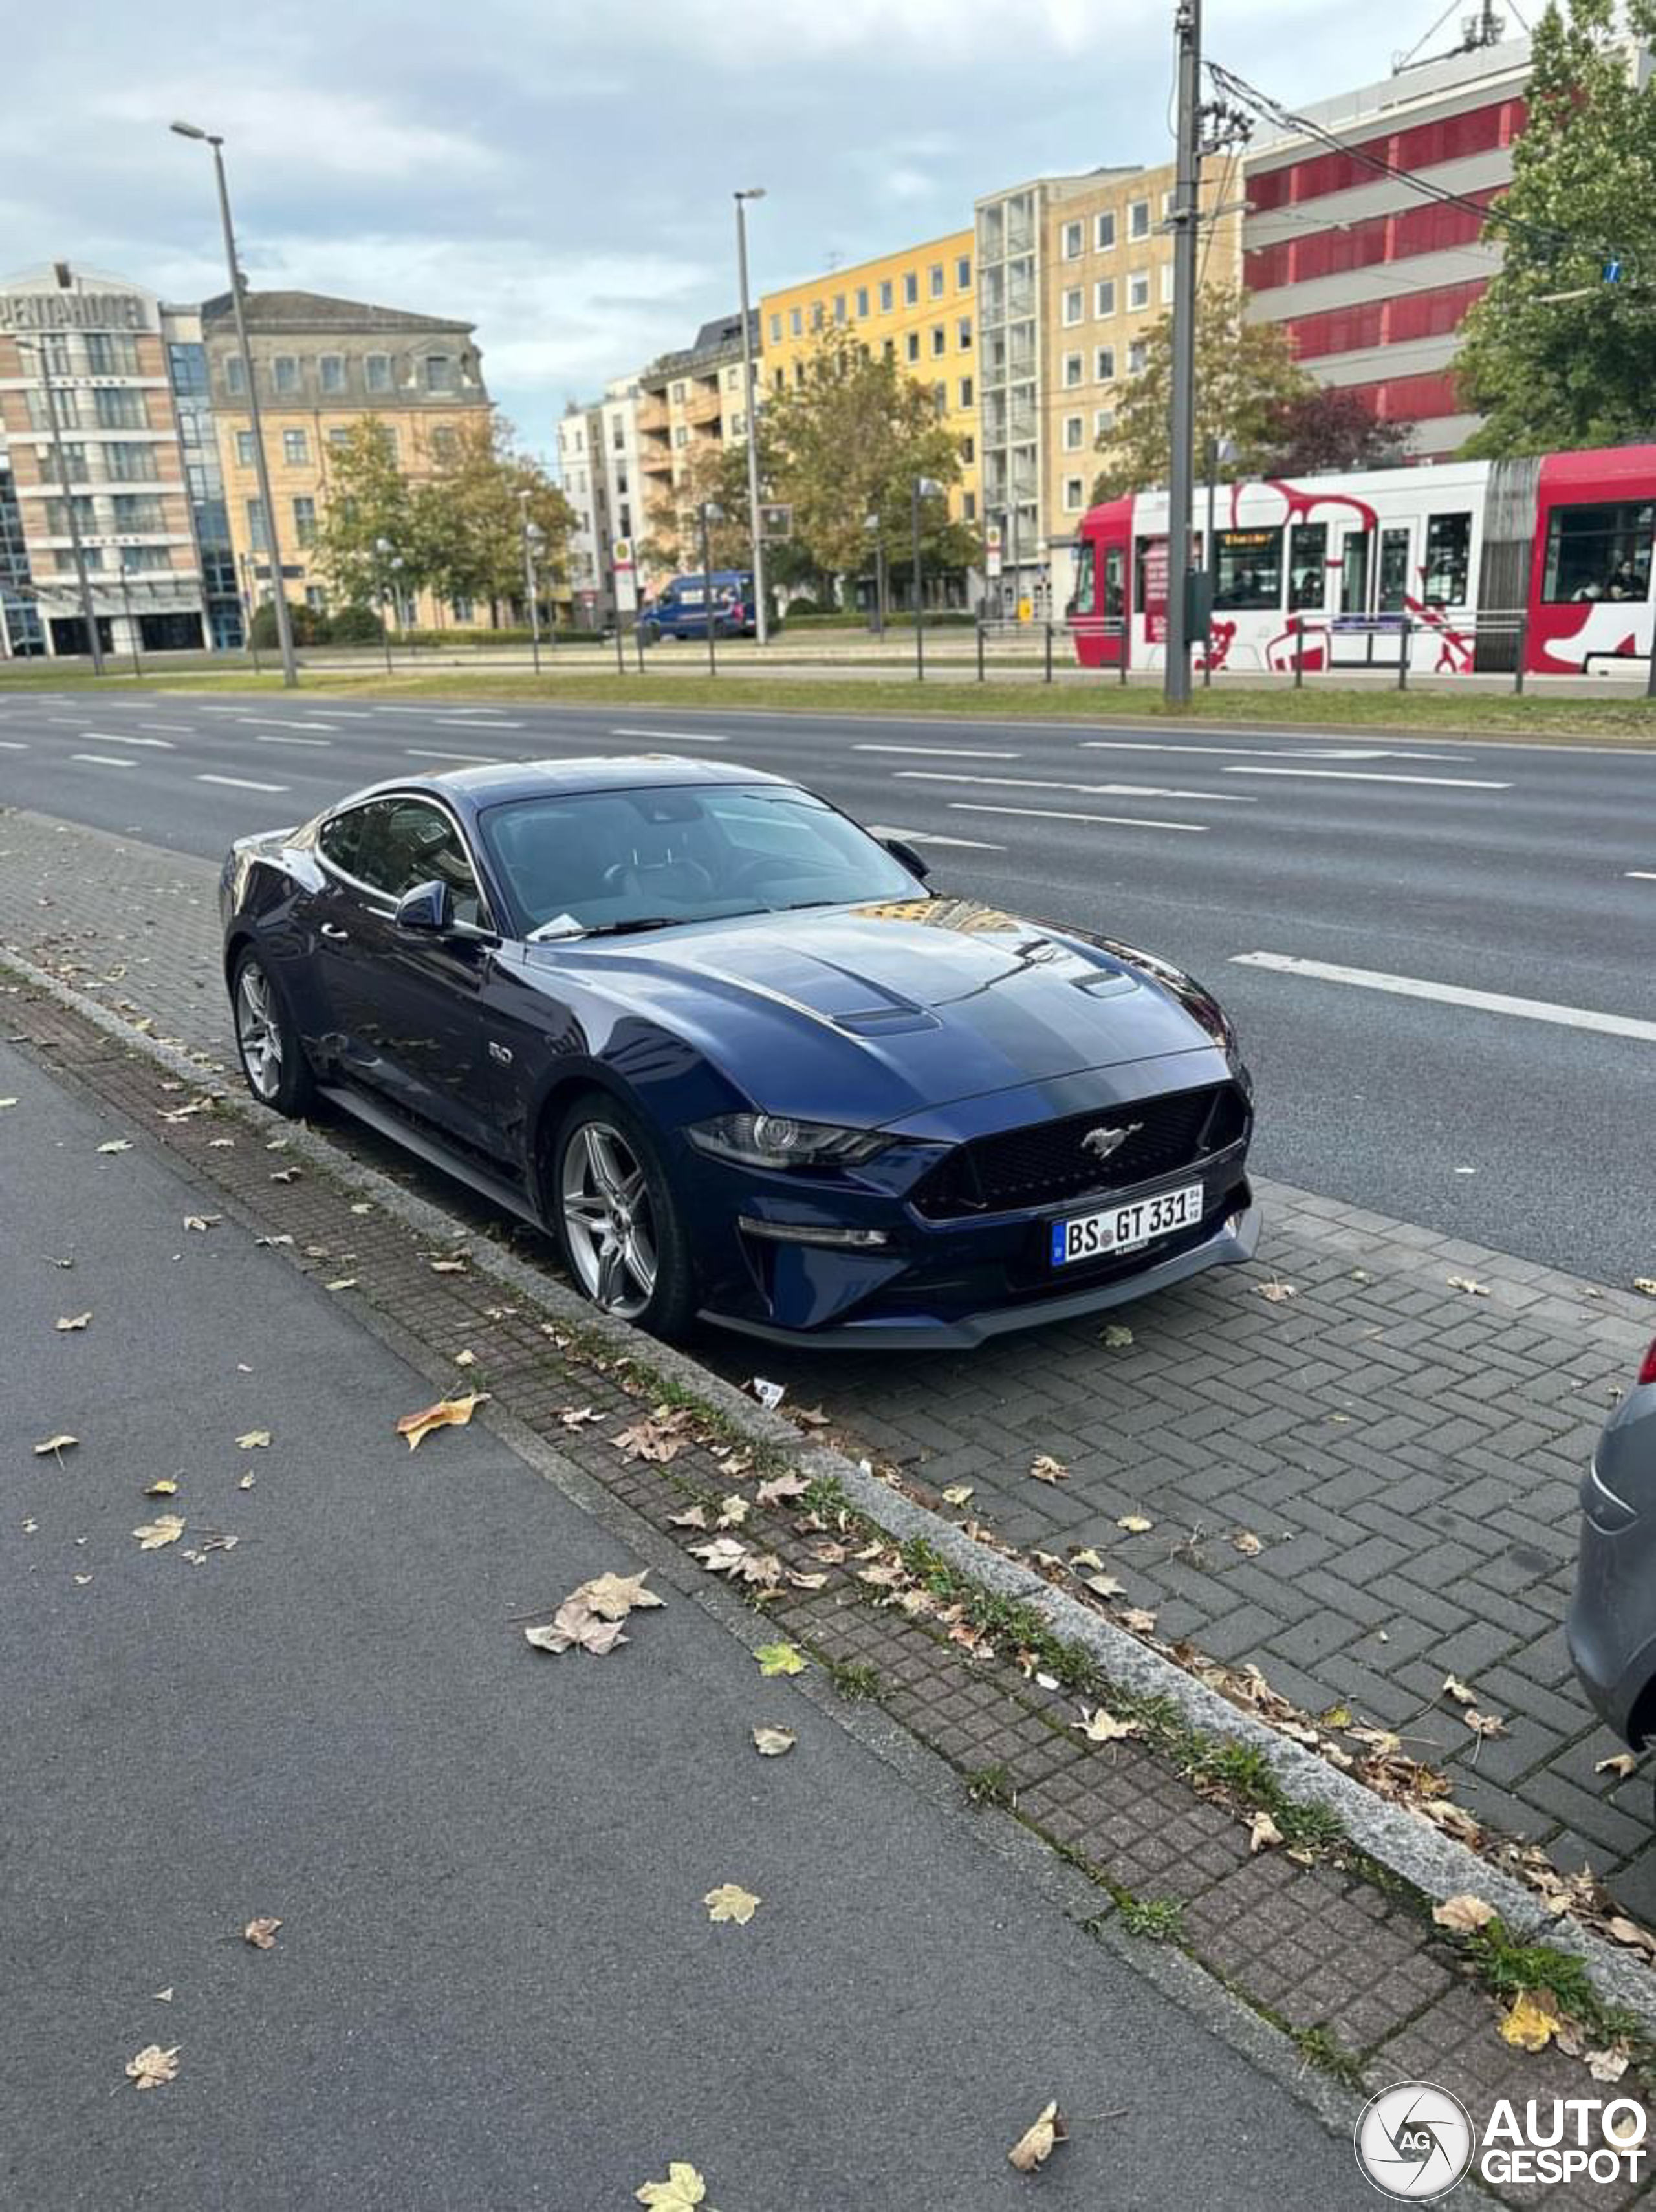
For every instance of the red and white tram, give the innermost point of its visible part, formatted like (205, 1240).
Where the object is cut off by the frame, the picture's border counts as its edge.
(1463, 564)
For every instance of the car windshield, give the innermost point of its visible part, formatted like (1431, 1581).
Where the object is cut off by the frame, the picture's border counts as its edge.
(617, 861)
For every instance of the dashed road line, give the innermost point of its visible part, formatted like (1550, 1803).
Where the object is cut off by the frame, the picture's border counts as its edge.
(1452, 994)
(1050, 814)
(1087, 790)
(264, 738)
(241, 783)
(937, 752)
(1376, 775)
(932, 837)
(678, 736)
(489, 760)
(12, 745)
(102, 760)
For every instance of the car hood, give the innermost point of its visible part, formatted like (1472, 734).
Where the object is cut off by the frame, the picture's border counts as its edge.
(869, 1012)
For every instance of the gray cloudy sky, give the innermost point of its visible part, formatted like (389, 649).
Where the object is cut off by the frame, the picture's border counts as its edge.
(561, 175)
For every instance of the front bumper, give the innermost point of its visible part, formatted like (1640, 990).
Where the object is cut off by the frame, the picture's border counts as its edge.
(1235, 1240)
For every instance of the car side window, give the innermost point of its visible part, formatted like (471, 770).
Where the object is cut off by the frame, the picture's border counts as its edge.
(342, 840)
(393, 844)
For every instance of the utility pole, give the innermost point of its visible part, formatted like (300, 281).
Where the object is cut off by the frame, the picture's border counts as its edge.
(1187, 195)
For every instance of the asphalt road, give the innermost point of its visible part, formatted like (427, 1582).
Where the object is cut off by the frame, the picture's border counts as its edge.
(496, 1983)
(1527, 874)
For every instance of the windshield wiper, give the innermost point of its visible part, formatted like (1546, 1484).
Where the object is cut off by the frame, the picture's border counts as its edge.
(557, 933)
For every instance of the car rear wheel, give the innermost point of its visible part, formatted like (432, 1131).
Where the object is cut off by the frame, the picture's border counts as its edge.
(618, 1222)
(266, 1043)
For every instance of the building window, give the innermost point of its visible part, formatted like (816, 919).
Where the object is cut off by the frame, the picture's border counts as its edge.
(969, 507)
(440, 371)
(1074, 235)
(1104, 421)
(796, 321)
(1138, 291)
(940, 393)
(111, 353)
(335, 437)
(1168, 199)
(963, 273)
(1073, 299)
(304, 521)
(1104, 231)
(285, 371)
(962, 333)
(460, 609)
(940, 339)
(681, 436)
(70, 469)
(1074, 494)
(235, 378)
(1138, 219)
(839, 306)
(120, 411)
(1137, 354)
(776, 329)
(295, 448)
(1073, 367)
(969, 451)
(388, 440)
(965, 392)
(333, 372)
(914, 346)
(733, 378)
(936, 280)
(129, 463)
(57, 515)
(1168, 284)
(315, 598)
(912, 288)
(676, 394)
(65, 406)
(243, 448)
(818, 317)
(377, 369)
(140, 560)
(445, 442)
(1104, 365)
(1104, 296)
(1075, 432)
(887, 297)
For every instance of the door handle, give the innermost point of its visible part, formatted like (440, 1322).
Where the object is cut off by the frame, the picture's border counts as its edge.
(332, 929)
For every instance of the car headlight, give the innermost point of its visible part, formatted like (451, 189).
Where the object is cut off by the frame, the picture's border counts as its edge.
(777, 1140)
(1211, 1015)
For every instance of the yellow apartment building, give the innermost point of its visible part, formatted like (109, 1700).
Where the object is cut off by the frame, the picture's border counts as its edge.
(918, 306)
(321, 365)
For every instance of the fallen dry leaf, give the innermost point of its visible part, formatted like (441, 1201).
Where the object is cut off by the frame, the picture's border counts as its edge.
(165, 1528)
(1635, 1937)
(449, 1267)
(1116, 1338)
(781, 1659)
(261, 1934)
(1247, 1543)
(1532, 2024)
(731, 1902)
(117, 1144)
(1034, 2146)
(695, 1517)
(773, 1742)
(1105, 1586)
(577, 1416)
(683, 2190)
(1135, 1524)
(1465, 1914)
(1609, 2064)
(152, 2065)
(1263, 1833)
(202, 1221)
(286, 1175)
(799, 1581)
(613, 1596)
(254, 1440)
(780, 1490)
(958, 1493)
(733, 1511)
(164, 1486)
(1646, 1284)
(245, 1483)
(60, 1443)
(73, 1321)
(1139, 1619)
(1474, 1290)
(1621, 1766)
(162, 1997)
(575, 1623)
(1100, 1727)
(1484, 1723)
(447, 1414)
(659, 1440)
(1045, 1468)
(1455, 1688)
(1086, 1556)
(349, 1283)
(1278, 1293)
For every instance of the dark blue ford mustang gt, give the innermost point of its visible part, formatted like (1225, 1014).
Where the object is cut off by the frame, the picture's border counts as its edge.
(729, 1048)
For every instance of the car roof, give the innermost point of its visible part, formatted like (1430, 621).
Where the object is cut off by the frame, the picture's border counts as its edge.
(475, 786)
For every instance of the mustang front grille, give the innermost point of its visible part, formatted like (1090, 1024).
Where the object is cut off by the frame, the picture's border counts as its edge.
(1049, 1162)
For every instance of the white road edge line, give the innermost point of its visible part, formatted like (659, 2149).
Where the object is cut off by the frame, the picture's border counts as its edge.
(937, 752)
(264, 738)
(1376, 775)
(103, 760)
(1050, 814)
(1329, 752)
(490, 760)
(1087, 790)
(240, 783)
(1452, 994)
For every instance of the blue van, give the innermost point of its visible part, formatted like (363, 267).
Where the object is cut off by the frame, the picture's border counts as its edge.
(681, 609)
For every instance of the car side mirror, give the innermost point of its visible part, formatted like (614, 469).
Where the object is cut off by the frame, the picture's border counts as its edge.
(429, 906)
(901, 850)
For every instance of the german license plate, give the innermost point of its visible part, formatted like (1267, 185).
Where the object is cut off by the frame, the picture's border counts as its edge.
(1124, 1227)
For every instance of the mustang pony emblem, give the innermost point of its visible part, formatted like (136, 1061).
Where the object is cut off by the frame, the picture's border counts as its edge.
(1104, 1143)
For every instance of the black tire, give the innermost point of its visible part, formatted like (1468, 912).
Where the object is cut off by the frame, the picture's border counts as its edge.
(276, 1070)
(609, 1268)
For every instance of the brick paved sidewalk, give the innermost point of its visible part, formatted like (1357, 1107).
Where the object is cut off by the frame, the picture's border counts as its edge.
(1405, 1452)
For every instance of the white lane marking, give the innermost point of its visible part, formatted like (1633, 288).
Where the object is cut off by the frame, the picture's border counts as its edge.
(424, 713)
(160, 744)
(471, 722)
(350, 713)
(103, 760)
(12, 745)
(1265, 753)
(1452, 995)
(264, 738)
(1376, 775)
(937, 752)
(284, 722)
(1050, 814)
(931, 837)
(678, 736)
(240, 783)
(1642, 875)
(212, 707)
(171, 729)
(490, 760)
(1090, 790)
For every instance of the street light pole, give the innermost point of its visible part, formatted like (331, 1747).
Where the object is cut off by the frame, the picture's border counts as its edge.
(383, 550)
(530, 533)
(283, 626)
(870, 523)
(750, 385)
(42, 348)
(1218, 450)
(131, 627)
(710, 511)
(924, 488)
(1187, 192)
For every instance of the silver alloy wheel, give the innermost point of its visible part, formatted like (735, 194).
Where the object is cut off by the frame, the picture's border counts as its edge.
(608, 1218)
(258, 1031)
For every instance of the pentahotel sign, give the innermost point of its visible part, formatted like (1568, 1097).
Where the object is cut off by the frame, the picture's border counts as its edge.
(74, 311)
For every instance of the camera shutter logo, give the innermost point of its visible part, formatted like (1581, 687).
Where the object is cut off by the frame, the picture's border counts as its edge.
(1414, 2141)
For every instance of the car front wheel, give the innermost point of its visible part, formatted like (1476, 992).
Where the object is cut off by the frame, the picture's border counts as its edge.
(618, 1222)
(267, 1044)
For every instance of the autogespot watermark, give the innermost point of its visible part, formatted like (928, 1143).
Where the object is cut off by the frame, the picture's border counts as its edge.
(1415, 2141)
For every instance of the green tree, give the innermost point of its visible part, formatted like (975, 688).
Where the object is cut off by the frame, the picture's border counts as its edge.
(1245, 377)
(1331, 427)
(367, 498)
(850, 442)
(1549, 371)
(467, 520)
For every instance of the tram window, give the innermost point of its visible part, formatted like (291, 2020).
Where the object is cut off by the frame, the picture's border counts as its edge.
(1448, 560)
(1307, 565)
(1114, 566)
(1080, 599)
(1250, 568)
(1394, 571)
(1599, 552)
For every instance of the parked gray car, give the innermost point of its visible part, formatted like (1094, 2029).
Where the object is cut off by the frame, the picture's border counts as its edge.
(1612, 1619)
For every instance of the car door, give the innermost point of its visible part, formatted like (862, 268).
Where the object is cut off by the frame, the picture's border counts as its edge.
(406, 1004)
